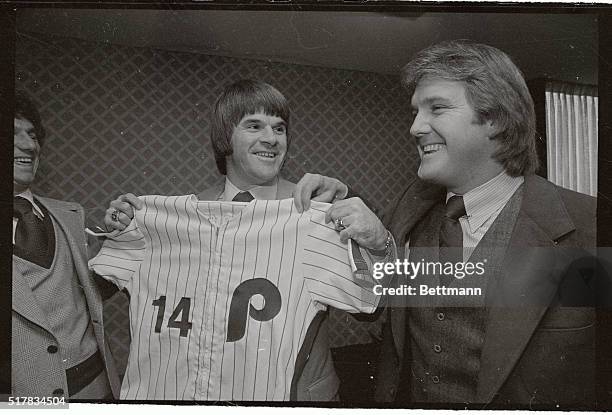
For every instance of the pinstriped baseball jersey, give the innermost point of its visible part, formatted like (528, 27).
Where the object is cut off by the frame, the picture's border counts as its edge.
(222, 294)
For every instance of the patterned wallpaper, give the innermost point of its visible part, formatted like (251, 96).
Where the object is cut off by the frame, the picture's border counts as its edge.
(125, 119)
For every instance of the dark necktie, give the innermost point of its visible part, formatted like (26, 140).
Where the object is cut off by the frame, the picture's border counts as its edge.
(243, 197)
(451, 235)
(31, 234)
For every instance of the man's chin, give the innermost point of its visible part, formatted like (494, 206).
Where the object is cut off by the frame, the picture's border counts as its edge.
(267, 180)
(20, 186)
(260, 178)
(429, 176)
(426, 174)
(267, 174)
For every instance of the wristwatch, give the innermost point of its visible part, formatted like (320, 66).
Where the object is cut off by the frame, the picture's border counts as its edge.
(385, 251)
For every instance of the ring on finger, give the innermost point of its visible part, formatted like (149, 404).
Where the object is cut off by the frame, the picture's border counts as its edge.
(115, 215)
(339, 224)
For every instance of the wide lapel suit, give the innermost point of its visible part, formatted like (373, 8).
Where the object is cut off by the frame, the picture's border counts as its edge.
(315, 378)
(534, 351)
(36, 372)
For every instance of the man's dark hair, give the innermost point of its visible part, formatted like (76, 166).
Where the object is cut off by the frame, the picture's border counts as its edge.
(25, 109)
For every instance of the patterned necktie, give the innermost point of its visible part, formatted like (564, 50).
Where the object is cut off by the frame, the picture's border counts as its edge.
(451, 235)
(243, 197)
(31, 236)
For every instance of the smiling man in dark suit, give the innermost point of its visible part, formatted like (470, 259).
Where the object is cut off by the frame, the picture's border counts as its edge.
(58, 346)
(474, 124)
(528, 340)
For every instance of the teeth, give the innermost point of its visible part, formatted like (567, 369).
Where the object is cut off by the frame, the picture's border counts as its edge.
(430, 148)
(265, 154)
(23, 159)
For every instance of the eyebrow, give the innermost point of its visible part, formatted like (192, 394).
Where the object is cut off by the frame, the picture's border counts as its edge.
(30, 130)
(251, 120)
(430, 100)
(257, 120)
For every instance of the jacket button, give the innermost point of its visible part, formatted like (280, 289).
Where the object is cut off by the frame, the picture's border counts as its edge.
(437, 348)
(52, 349)
(440, 316)
(58, 392)
(435, 379)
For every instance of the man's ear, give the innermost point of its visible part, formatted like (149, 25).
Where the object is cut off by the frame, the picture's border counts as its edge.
(493, 129)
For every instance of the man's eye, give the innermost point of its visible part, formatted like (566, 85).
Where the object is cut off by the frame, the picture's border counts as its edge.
(281, 129)
(252, 127)
(437, 108)
(33, 136)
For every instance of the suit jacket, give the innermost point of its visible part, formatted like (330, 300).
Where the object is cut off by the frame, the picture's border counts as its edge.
(36, 372)
(539, 351)
(315, 378)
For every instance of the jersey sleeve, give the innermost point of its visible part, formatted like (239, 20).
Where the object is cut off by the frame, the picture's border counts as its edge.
(120, 256)
(336, 274)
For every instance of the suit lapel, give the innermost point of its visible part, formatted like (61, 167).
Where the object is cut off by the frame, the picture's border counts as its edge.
(529, 276)
(414, 205)
(412, 211)
(26, 304)
(70, 220)
(24, 301)
(397, 316)
(214, 192)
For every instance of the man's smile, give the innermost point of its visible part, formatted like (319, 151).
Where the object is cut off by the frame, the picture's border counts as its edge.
(23, 160)
(266, 154)
(432, 148)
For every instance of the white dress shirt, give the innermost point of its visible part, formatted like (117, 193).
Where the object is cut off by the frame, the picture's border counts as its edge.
(258, 192)
(483, 204)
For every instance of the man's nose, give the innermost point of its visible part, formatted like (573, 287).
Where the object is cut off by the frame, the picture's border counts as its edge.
(24, 141)
(268, 136)
(420, 126)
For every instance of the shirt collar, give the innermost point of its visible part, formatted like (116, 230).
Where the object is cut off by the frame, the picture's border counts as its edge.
(27, 195)
(488, 198)
(258, 192)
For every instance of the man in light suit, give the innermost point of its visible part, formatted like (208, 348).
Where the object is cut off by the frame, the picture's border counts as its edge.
(250, 138)
(528, 340)
(58, 345)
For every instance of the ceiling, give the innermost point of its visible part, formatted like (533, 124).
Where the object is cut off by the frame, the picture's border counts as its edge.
(559, 46)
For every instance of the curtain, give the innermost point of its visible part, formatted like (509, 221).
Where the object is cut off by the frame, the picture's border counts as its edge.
(571, 136)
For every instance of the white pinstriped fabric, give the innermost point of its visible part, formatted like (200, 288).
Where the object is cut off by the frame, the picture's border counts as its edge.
(237, 285)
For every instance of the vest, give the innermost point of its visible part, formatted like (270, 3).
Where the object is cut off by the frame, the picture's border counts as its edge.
(62, 300)
(447, 332)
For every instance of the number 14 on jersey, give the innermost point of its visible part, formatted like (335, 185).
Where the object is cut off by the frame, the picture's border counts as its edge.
(179, 319)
